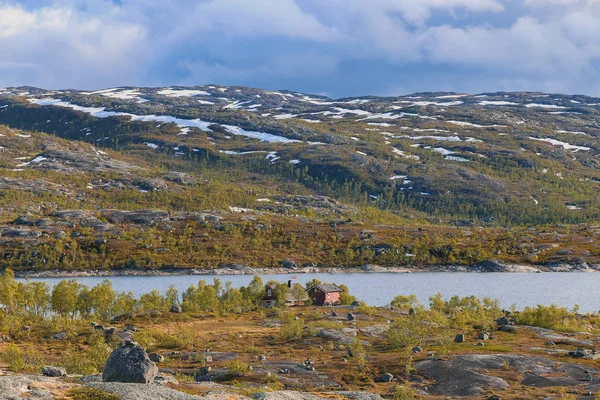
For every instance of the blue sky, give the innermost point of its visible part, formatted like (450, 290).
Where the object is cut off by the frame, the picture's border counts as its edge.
(332, 47)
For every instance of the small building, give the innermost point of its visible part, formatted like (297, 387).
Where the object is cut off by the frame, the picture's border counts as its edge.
(294, 296)
(325, 294)
(270, 299)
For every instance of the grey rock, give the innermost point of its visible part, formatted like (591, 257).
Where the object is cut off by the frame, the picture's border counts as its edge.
(137, 391)
(60, 336)
(483, 336)
(155, 357)
(18, 387)
(387, 377)
(129, 363)
(176, 308)
(54, 371)
(460, 338)
(285, 395)
(417, 349)
(351, 317)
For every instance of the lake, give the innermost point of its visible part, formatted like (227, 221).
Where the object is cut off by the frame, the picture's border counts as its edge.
(521, 289)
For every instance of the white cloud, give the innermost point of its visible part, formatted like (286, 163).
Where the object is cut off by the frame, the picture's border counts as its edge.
(99, 43)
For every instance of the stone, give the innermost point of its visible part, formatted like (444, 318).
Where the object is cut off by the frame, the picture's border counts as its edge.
(262, 357)
(417, 349)
(334, 313)
(203, 371)
(387, 377)
(176, 308)
(483, 336)
(54, 372)
(208, 359)
(129, 363)
(60, 336)
(351, 317)
(155, 357)
(411, 311)
(460, 338)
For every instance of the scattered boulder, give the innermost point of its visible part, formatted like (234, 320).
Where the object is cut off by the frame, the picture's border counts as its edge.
(417, 349)
(460, 338)
(54, 372)
(387, 377)
(351, 317)
(483, 336)
(61, 335)
(129, 363)
(155, 357)
(208, 359)
(176, 308)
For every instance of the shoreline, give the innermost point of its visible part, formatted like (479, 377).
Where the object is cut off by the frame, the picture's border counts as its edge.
(491, 266)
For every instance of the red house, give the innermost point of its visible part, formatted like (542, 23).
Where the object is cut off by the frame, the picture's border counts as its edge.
(325, 294)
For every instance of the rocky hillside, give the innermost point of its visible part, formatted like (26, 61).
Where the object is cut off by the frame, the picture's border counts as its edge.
(242, 161)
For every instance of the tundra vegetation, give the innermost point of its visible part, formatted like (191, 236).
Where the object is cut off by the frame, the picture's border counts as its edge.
(71, 326)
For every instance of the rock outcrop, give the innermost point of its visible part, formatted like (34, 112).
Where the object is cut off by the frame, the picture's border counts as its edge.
(129, 364)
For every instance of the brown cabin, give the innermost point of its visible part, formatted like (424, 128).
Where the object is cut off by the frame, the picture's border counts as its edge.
(270, 299)
(325, 294)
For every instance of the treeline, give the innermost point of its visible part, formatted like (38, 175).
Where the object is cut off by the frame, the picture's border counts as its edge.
(23, 303)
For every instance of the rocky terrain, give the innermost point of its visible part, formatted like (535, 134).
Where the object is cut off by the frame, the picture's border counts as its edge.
(209, 177)
(355, 352)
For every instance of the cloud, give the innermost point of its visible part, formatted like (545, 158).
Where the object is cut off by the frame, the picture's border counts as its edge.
(340, 47)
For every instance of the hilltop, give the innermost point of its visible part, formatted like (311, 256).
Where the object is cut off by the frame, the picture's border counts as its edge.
(235, 175)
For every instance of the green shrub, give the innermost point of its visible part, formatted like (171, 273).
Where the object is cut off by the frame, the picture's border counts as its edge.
(292, 328)
(238, 369)
(88, 393)
(550, 317)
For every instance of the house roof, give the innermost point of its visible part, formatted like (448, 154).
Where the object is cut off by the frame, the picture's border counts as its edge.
(327, 288)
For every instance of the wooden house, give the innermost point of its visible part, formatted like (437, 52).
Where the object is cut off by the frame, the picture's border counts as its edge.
(325, 294)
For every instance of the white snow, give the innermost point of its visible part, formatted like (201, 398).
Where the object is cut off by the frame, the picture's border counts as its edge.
(36, 160)
(442, 151)
(294, 162)
(99, 112)
(572, 207)
(440, 138)
(572, 132)
(452, 96)
(285, 116)
(361, 153)
(273, 157)
(182, 93)
(232, 152)
(151, 145)
(564, 145)
(455, 158)
(355, 138)
(538, 105)
(384, 124)
(236, 105)
(403, 154)
(498, 103)
(433, 103)
(469, 124)
(396, 177)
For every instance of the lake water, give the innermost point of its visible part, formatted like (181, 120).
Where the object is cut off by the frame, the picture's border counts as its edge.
(563, 289)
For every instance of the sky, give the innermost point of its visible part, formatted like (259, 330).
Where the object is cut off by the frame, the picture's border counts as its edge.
(336, 48)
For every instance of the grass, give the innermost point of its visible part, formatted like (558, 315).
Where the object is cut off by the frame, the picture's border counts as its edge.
(88, 393)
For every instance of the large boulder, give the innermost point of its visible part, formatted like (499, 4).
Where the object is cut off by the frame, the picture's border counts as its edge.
(129, 363)
(54, 371)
